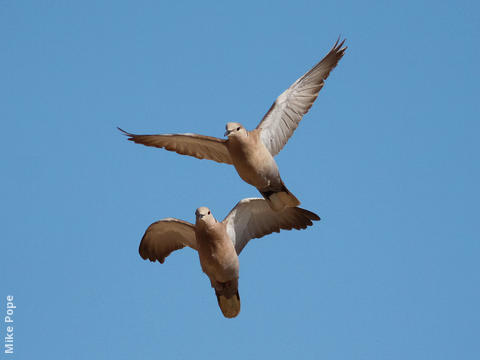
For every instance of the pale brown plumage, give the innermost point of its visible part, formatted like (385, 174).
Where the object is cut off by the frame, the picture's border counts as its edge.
(199, 146)
(252, 152)
(219, 243)
(285, 114)
(177, 235)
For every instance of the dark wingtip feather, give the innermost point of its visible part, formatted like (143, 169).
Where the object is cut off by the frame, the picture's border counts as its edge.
(338, 48)
(123, 131)
(141, 251)
(310, 215)
(130, 136)
(338, 45)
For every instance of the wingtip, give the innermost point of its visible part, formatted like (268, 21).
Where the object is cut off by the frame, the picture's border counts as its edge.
(338, 47)
(310, 215)
(123, 131)
(314, 217)
(129, 136)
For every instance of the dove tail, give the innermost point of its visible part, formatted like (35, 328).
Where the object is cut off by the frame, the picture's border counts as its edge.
(279, 200)
(228, 297)
(230, 306)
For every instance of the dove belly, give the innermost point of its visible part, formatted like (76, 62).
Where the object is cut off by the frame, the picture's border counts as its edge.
(220, 266)
(257, 168)
(218, 258)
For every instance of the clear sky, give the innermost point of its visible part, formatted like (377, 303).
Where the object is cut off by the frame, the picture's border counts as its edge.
(388, 156)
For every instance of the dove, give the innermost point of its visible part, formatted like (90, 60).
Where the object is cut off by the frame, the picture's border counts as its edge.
(220, 243)
(252, 152)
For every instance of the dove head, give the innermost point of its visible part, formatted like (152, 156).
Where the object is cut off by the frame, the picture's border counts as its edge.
(204, 215)
(234, 130)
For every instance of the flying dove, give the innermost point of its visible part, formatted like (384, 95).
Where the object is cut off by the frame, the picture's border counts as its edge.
(252, 152)
(219, 243)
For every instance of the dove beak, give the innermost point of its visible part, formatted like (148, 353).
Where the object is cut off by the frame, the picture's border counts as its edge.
(227, 133)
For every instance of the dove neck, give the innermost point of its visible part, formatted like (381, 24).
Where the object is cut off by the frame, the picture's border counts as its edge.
(241, 144)
(208, 232)
(206, 226)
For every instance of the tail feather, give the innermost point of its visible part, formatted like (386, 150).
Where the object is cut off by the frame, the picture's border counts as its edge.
(279, 200)
(230, 306)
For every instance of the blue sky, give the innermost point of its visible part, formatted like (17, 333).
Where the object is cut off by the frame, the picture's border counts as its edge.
(387, 156)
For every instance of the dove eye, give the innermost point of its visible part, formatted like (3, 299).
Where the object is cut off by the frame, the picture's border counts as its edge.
(238, 129)
(209, 213)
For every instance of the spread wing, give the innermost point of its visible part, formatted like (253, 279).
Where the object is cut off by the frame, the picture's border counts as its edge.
(199, 146)
(253, 218)
(286, 112)
(165, 236)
